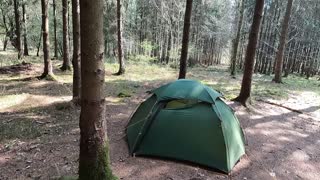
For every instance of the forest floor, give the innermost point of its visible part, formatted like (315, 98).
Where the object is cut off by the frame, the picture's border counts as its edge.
(39, 134)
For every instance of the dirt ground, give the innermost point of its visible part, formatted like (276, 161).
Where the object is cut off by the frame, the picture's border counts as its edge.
(39, 135)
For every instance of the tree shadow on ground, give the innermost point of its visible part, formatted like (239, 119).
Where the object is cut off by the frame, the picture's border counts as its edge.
(44, 139)
(280, 146)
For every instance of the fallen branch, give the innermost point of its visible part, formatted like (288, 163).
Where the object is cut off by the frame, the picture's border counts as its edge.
(280, 105)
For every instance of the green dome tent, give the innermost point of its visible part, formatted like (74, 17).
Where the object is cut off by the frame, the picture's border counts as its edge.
(186, 120)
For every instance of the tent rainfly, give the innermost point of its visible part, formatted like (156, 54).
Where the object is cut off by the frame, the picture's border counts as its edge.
(186, 120)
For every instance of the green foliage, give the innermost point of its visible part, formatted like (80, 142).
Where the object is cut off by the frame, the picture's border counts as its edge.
(123, 95)
(147, 47)
(144, 59)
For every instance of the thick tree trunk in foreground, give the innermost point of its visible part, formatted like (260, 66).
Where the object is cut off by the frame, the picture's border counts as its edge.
(25, 40)
(282, 44)
(120, 48)
(76, 50)
(236, 40)
(250, 54)
(66, 56)
(185, 41)
(55, 29)
(47, 71)
(18, 29)
(94, 162)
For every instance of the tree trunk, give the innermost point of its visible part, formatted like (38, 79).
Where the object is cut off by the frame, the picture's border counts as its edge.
(66, 56)
(18, 29)
(47, 72)
(5, 41)
(185, 41)
(76, 50)
(169, 46)
(119, 33)
(39, 42)
(55, 29)
(250, 54)
(237, 39)
(25, 40)
(283, 38)
(94, 162)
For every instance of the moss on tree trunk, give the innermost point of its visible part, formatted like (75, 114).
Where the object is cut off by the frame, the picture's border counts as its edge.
(101, 169)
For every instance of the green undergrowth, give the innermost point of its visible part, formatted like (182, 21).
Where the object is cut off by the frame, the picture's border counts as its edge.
(140, 75)
(10, 57)
(19, 128)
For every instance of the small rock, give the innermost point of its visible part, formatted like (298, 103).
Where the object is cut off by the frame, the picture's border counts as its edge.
(121, 160)
(272, 174)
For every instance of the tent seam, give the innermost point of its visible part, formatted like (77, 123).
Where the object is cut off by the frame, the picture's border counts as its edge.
(223, 133)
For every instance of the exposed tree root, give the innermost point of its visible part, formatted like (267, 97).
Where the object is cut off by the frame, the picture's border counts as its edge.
(48, 77)
(240, 100)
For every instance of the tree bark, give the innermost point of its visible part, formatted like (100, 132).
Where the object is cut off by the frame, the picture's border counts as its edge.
(185, 40)
(169, 46)
(76, 90)
(120, 47)
(250, 54)
(55, 29)
(47, 71)
(5, 41)
(18, 29)
(94, 162)
(282, 44)
(25, 39)
(237, 39)
(66, 56)
(39, 42)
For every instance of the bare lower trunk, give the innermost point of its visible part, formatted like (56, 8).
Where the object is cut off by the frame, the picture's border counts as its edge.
(94, 162)
(237, 39)
(25, 39)
(5, 41)
(76, 49)
(250, 54)
(119, 33)
(55, 29)
(66, 56)
(39, 42)
(169, 46)
(18, 29)
(185, 41)
(47, 71)
(283, 38)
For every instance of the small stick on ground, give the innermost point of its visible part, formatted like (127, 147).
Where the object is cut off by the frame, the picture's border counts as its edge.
(280, 105)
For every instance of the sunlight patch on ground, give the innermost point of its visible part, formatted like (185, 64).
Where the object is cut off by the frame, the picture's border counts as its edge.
(113, 100)
(34, 101)
(8, 101)
(256, 116)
